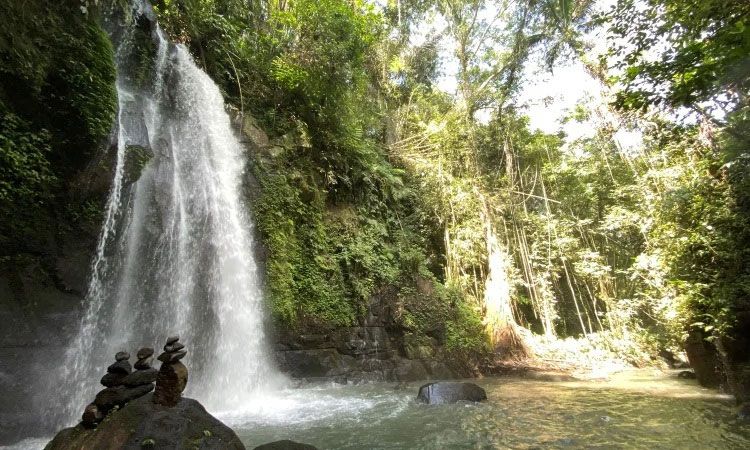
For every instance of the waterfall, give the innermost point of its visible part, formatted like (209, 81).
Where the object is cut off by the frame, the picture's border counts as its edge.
(175, 254)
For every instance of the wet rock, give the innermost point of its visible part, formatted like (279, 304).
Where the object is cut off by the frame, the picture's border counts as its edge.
(170, 382)
(112, 379)
(167, 357)
(109, 398)
(703, 359)
(123, 367)
(285, 445)
(140, 377)
(144, 353)
(144, 363)
(686, 375)
(132, 393)
(172, 339)
(171, 348)
(450, 392)
(743, 413)
(410, 370)
(118, 396)
(142, 423)
(122, 356)
(91, 416)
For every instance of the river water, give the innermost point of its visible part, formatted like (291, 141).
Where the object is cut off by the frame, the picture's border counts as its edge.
(638, 409)
(635, 409)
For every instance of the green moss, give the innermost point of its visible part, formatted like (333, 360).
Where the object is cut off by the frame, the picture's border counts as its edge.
(136, 158)
(58, 103)
(26, 178)
(305, 281)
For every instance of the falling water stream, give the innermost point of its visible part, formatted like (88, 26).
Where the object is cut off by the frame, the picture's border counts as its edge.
(175, 254)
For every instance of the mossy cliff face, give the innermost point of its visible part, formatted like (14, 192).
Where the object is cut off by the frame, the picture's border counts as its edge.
(57, 107)
(351, 288)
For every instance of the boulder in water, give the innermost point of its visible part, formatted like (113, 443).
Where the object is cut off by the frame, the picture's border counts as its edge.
(450, 392)
(143, 423)
(285, 445)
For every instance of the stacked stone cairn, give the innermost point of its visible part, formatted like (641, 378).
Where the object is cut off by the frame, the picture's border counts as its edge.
(121, 385)
(173, 375)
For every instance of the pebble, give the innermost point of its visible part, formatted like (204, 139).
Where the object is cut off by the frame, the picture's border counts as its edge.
(172, 339)
(122, 356)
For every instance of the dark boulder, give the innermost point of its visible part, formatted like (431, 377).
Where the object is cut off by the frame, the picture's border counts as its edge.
(703, 359)
(450, 392)
(145, 424)
(285, 445)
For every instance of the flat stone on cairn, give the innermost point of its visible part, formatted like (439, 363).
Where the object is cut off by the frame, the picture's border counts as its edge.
(173, 375)
(145, 358)
(144, 374)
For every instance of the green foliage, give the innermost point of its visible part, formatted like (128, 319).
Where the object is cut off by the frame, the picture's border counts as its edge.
(305, 282)
(701, 51)
(704, 228)
(58, 102)
(26, 178)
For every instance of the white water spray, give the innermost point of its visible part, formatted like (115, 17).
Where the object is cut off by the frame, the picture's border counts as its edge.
(175, 255)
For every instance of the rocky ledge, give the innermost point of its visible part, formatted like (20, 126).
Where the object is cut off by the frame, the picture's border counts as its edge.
(126, 415)
(143, 424)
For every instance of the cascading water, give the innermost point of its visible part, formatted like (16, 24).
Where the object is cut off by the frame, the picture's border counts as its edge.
(176, 252)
